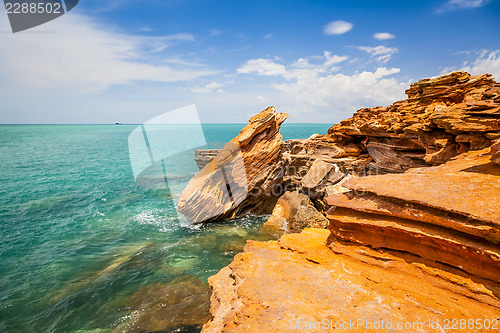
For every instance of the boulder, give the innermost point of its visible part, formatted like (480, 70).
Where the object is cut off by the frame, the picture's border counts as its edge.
(293, 212)
(240, 179)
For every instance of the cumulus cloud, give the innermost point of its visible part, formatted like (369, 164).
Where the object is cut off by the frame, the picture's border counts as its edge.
(487, 61)
(262, 67)
(76, 55)
(337, 27)
(302, 67)
(383, 36)
(321, 88)
(381, 53)
(461, 4)
(336, 90)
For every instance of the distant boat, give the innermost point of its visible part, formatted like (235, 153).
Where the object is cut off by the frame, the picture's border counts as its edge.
(118, 123)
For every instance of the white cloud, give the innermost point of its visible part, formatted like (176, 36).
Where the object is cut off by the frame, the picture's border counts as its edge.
(381, 53)
(337, 28)
(301, 68)
(461, 4)
(383, 36)
(262, 67)
(209, 87)
(339, 89)
(268, 36)
(215, 32)
(315, 89)
(74, 55)
(486, 62)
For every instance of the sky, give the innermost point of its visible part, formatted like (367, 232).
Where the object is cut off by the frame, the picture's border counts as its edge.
(125, 61)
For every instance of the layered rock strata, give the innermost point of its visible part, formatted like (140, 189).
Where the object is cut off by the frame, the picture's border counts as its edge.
(316, 287)
(419, 244)
(495, 152)
(241, 177)
(202, 157)
(448, 214)
(441, 118)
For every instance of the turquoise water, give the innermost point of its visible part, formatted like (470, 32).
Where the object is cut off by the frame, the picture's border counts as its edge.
(79, 238)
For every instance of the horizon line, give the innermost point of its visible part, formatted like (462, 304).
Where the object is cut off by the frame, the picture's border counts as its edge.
(138, 124)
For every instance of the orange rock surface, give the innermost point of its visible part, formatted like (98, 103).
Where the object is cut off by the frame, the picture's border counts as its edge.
(441, 118)
(418, 246)
(495, 152)
(468, 186)
(240, 178)
(297, 281)
(448, 214)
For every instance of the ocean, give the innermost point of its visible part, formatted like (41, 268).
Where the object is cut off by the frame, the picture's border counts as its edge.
(83, 248)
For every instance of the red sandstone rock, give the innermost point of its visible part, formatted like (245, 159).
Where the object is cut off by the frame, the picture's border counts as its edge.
(274, 286)
(469, 185)
(448, 214)
(441, 118)
(365, 202)
(240, 179)
(495, 152)
(293, 212)
(418, 246)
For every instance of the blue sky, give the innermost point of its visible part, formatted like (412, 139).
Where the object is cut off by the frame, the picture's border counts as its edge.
(319, 61)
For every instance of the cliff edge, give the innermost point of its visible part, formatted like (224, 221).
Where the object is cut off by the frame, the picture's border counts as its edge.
(442, 117)
(411, 194)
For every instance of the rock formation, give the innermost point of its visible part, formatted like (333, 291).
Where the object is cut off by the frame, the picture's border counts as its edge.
(495, 152)
(414, 230)
(420, 247)
(204, 156)
(241, 177)
(441, 118)
(293, 212)
(448, 214)
(300, 282)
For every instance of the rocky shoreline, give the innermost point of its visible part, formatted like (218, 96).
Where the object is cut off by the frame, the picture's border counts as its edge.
(409, 195)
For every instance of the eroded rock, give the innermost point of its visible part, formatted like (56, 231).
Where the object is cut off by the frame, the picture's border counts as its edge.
(312, 282)
(241, 177)
(441, 118)
(418, 244)
(293, 212)
(495, 152)
(447, 214)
